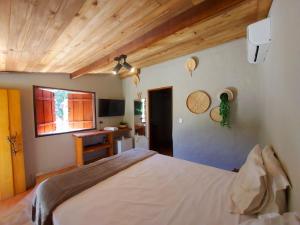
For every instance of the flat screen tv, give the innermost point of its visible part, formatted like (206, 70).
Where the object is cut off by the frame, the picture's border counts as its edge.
(111, 107)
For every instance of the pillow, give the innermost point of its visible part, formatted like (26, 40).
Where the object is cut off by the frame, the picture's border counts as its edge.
(291, 218)
(277, 182)
(249, 188)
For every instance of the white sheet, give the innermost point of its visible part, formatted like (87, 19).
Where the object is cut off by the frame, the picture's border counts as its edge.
(157, 191)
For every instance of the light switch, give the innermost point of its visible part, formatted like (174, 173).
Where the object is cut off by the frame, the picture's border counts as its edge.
(180, 120)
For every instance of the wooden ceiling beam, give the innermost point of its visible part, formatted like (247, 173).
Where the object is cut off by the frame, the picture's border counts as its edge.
(263, 8)
(202, 35)
(200, 12)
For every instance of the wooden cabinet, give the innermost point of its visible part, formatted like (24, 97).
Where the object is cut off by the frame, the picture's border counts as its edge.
(81, 149)
(12, 172)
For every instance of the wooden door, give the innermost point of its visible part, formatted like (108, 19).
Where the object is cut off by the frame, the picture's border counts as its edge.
(15, 129)
(12, 173)
(6, 171)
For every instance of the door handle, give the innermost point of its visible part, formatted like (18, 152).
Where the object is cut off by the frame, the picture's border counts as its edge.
(13, 143)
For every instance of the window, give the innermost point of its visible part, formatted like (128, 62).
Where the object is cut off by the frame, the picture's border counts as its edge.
(59, 111)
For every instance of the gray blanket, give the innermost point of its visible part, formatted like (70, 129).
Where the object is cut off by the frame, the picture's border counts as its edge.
(54, 191)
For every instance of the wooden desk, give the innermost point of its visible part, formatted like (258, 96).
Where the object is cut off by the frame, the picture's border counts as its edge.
(81, 149)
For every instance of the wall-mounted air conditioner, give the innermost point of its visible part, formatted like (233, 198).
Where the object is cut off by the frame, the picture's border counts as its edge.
(259, 40)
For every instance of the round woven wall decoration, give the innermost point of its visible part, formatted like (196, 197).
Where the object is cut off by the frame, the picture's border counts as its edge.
(198, 102)
(215, 114)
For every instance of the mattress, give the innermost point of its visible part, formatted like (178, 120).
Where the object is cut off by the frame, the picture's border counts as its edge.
(157, 191)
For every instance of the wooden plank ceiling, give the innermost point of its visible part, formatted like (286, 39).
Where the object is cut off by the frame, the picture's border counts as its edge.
(83, 36)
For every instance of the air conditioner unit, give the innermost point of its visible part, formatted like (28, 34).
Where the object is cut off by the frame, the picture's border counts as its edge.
(259, 40)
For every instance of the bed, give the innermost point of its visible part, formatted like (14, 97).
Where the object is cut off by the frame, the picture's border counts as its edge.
(159, 190)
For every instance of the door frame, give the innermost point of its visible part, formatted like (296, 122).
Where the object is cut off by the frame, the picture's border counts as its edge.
(148, 111)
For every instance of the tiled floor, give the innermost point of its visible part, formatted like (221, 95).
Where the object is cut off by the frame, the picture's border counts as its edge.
(17, 210)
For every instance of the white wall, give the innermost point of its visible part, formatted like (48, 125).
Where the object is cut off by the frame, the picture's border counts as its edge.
(280, 92)
(54, 152)
(198, 138)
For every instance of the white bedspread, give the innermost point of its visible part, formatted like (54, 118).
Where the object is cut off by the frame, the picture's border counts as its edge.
(157, 191)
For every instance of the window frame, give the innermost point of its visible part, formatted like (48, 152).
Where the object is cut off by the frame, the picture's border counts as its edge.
(66, 132)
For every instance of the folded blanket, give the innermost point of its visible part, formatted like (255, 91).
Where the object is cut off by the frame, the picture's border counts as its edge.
(54, 191)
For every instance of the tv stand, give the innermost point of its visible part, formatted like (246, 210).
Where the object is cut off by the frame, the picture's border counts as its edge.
(81, 149)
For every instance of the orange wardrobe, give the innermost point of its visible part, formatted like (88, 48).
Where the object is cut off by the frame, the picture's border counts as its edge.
(12, 172)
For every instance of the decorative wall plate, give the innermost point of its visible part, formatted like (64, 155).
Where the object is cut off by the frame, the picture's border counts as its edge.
(215, 114)
(198, 102)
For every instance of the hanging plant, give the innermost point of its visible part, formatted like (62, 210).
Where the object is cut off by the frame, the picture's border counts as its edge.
(224, 110)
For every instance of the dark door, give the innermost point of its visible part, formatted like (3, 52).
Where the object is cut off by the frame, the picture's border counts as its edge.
(160, 120)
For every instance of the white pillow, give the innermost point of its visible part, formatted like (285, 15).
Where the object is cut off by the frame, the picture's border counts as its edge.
(249, 189)
(291, 218)
(277, 183)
